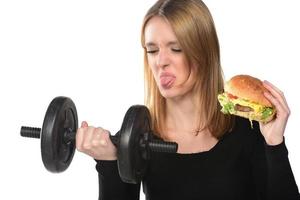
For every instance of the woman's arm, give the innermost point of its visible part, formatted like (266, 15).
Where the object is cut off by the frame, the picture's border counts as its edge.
(111, 187)
(281, 181)
(96, 143)
(272, 172)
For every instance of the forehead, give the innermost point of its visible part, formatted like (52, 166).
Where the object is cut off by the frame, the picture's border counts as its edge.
(159, 31)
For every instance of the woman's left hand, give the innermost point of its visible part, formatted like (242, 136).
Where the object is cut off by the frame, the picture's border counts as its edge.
(273, 131)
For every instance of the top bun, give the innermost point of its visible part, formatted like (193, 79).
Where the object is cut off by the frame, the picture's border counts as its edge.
(249, 88)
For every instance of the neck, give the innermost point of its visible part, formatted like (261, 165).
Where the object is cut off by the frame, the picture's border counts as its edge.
(182, 115)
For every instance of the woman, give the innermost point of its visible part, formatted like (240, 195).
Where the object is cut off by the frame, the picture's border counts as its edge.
(219, 157)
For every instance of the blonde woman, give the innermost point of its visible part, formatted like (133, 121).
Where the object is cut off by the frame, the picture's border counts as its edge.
(219, 157)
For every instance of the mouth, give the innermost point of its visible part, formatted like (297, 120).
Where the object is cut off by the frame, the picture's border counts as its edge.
(167, 80)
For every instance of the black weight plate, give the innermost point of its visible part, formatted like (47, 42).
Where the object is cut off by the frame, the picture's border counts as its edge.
(131, 164)
(61, 116)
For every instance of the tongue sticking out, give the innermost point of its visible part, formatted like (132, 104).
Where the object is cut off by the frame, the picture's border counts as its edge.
(167, 81)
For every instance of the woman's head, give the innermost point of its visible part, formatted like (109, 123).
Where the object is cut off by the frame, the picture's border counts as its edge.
(173, 74)
(182, 57)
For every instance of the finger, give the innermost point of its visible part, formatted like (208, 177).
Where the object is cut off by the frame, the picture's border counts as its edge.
(84, 124)
(277, 94)
(273, 90)
(100, 137)
(79, 138)
(106, 137)
(273, 87)
(281, 110)
(88, 136)
(80, 134)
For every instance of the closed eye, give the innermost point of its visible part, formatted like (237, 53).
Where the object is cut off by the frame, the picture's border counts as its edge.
(177, 50)
(151, 51)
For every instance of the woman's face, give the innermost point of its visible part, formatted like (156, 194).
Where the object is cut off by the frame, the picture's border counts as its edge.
(170, 68)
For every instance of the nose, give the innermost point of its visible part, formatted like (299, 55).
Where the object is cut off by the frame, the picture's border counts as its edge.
(163, 59)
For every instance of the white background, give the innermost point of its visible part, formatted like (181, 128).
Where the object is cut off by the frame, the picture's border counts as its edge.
(90, 51)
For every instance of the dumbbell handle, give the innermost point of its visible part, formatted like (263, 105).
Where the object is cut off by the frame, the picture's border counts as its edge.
(70, 135)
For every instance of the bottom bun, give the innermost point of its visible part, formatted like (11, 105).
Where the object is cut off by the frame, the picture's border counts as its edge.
(255, 117)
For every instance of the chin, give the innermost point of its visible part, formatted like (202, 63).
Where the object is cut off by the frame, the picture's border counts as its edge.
(167, 93)
(172, 93)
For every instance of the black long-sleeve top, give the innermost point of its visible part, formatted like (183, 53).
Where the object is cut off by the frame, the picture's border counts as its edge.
(240, 166)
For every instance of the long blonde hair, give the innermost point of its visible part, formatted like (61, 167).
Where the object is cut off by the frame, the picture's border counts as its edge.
(194, 28)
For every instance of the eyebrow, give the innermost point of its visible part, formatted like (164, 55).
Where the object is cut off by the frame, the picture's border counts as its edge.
(151, 44)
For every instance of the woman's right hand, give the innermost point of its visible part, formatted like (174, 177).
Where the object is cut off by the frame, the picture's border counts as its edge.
(95, 142)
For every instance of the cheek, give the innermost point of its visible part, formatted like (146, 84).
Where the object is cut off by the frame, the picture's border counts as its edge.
(154, 69)
(184, 71)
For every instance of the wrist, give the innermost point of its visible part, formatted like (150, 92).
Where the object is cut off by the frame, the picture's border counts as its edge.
(272, 141)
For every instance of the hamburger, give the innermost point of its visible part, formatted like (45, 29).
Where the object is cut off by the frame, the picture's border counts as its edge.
(244, 96)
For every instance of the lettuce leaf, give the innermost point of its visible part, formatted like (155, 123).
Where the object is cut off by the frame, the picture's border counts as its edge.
(267, 112)
(227, 105)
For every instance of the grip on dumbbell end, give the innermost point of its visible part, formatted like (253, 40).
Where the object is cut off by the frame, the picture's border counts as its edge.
(162, 146)
(31, 132)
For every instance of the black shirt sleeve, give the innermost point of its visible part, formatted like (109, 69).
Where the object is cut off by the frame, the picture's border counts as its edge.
(281, 180)
(111, 187)
(272, 172)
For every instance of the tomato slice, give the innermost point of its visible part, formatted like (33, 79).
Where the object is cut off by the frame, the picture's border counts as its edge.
(231, 96)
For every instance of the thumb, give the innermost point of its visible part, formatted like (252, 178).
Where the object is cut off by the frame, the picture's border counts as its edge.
(84, 124)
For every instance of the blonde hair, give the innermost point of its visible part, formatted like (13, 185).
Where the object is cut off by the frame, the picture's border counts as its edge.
(194, 28)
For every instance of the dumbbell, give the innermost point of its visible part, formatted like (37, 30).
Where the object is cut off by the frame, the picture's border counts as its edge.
(134, 141)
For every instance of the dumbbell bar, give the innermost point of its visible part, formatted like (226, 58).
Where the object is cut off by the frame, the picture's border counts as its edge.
(134, 141)
(68, 136)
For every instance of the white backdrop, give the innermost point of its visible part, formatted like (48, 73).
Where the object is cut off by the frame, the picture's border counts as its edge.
(90, 51)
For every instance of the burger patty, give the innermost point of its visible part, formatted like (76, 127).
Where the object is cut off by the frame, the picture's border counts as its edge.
(243, 108)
